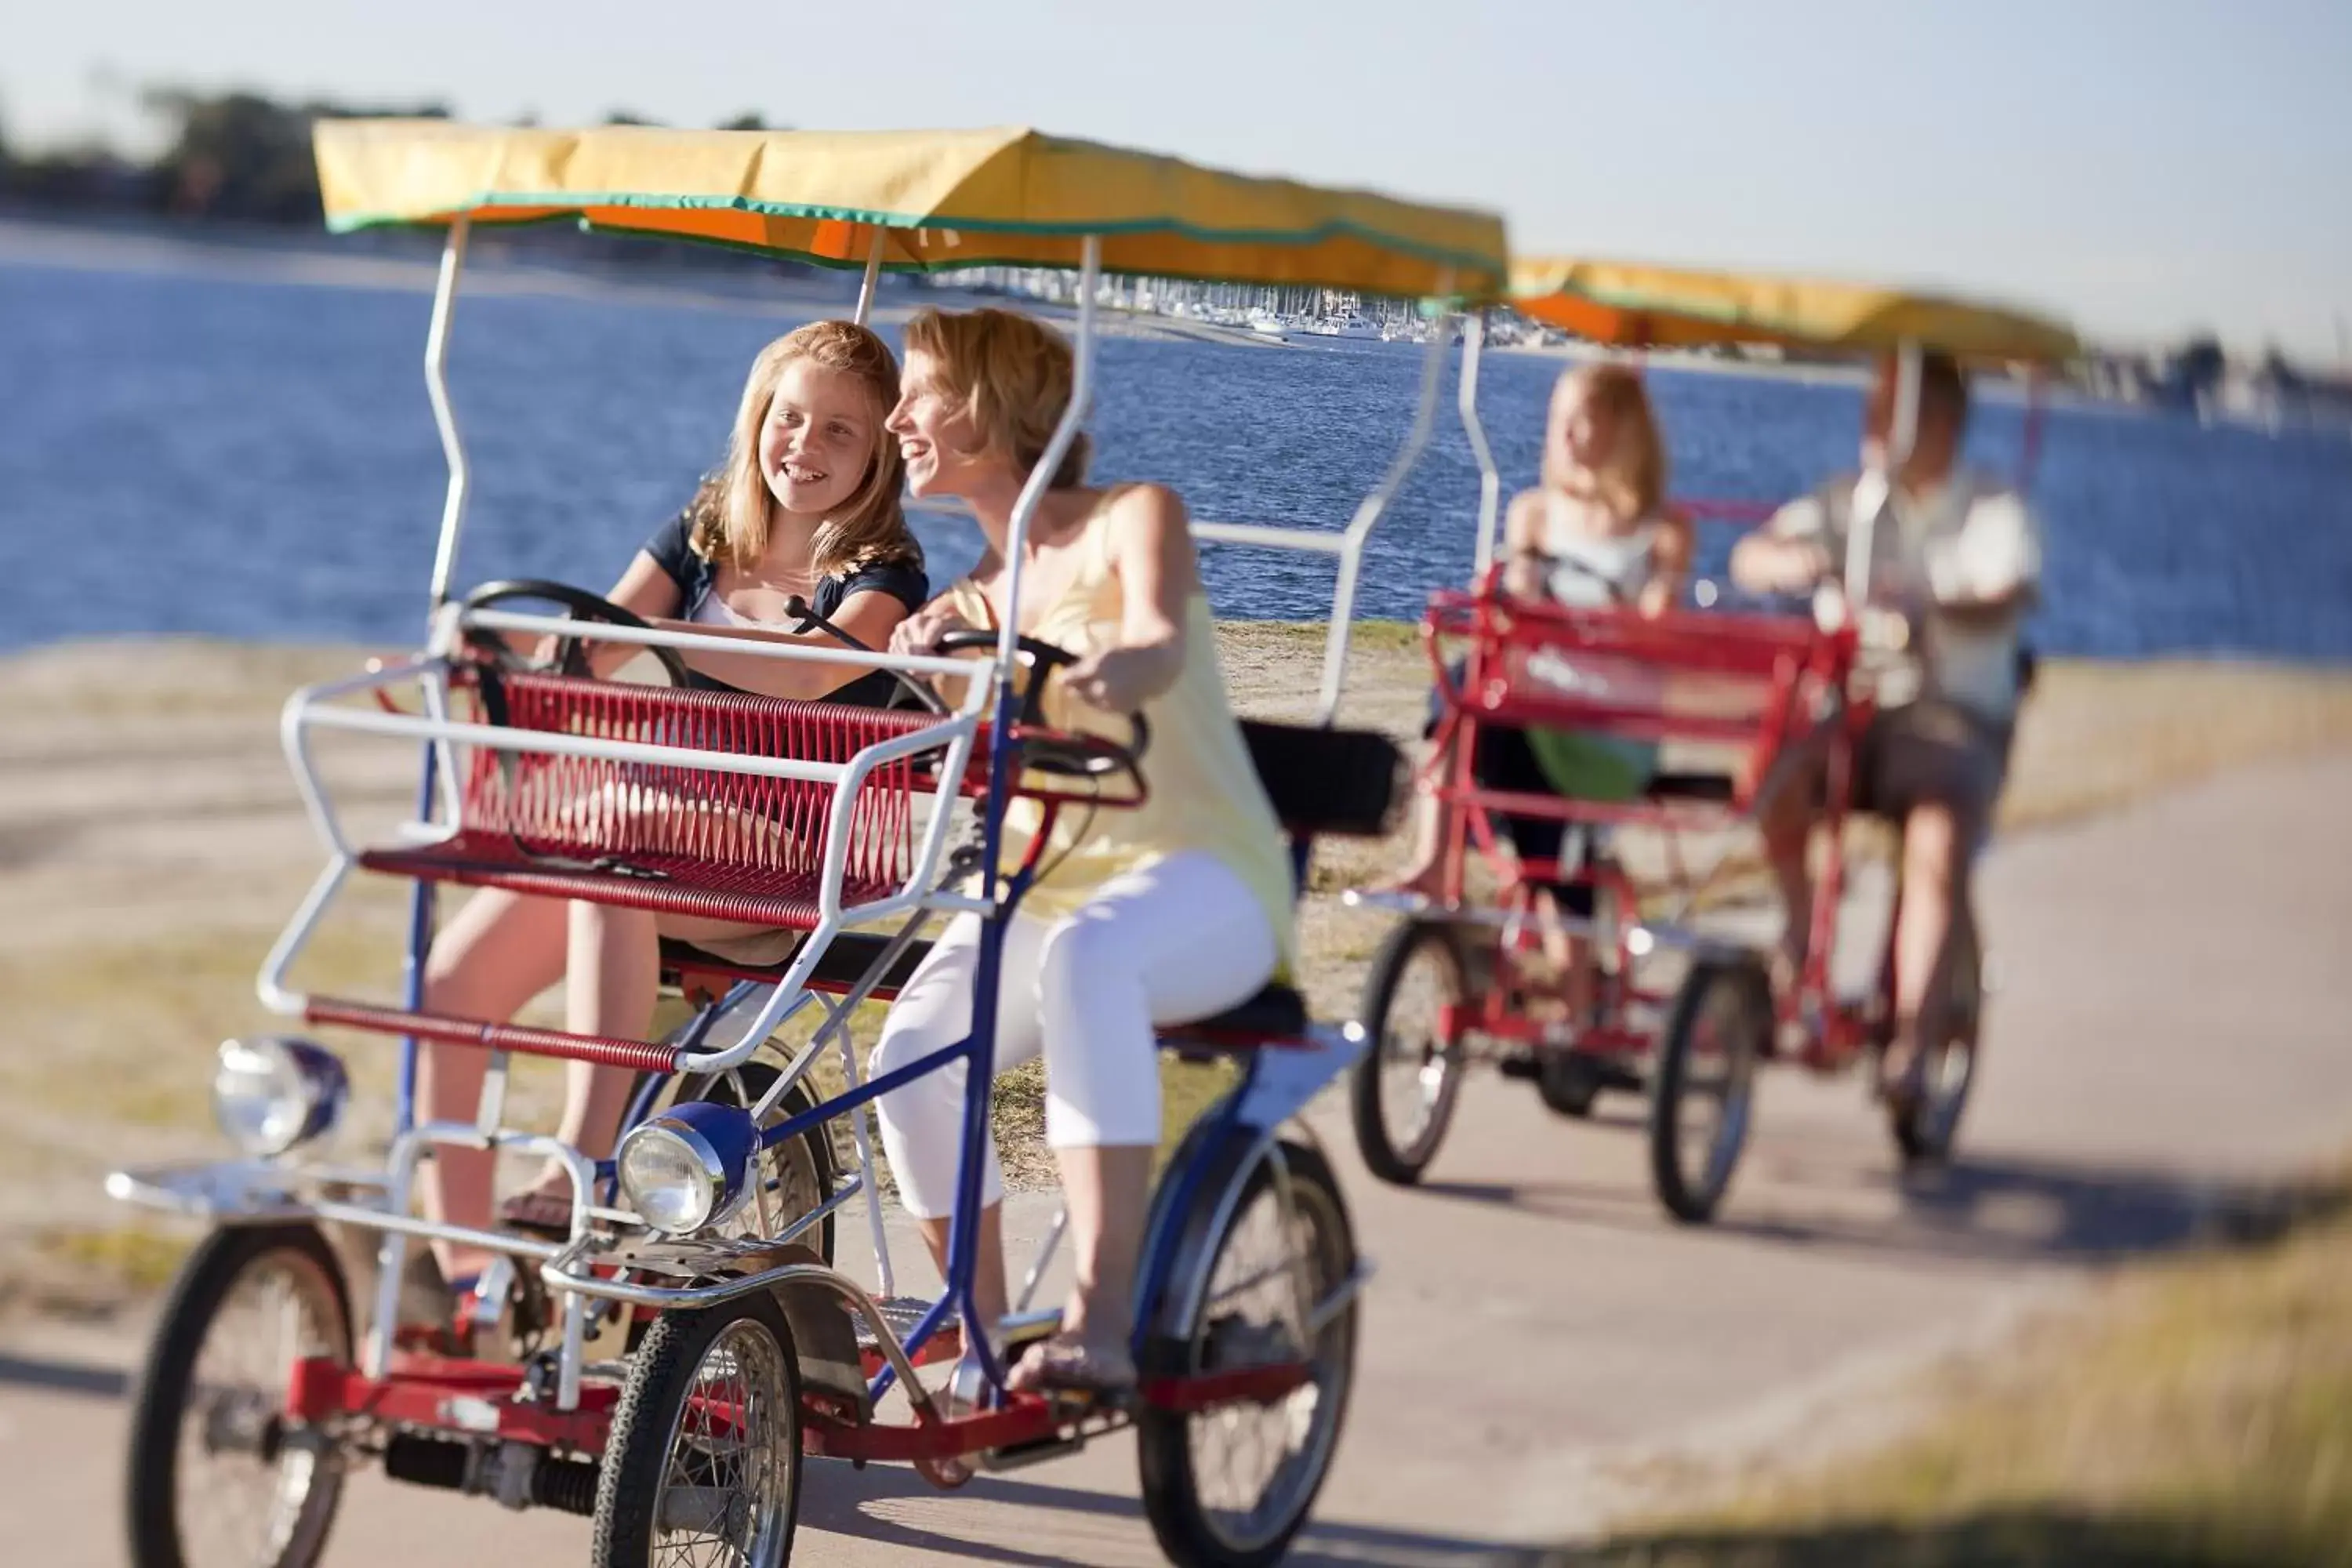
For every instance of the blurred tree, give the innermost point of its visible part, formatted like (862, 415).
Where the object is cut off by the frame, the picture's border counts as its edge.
(2200, 363)
(241, 155)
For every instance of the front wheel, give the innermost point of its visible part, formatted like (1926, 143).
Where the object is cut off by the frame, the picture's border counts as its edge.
(1232, 1484)
(1403, 1089)
(1705, 1084)
(1924, 1131)
(705, 1461)
(216, 1474)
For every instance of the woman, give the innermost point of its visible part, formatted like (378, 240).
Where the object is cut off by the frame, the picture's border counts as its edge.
(807, 504)
(1170, 911)
(1594, 532)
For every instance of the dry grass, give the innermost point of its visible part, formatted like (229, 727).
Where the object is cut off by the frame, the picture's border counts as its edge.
(2198, 1410)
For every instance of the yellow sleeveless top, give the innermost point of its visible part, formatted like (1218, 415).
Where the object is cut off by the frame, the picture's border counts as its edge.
(1204, 793)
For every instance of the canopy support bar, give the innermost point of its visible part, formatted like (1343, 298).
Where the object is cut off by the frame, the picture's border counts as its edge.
(1040, 477)
(1490, 482)
(1367, 512)
(1902, 435)
(870, 284)
(445, 418)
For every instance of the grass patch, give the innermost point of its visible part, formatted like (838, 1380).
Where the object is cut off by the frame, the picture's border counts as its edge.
(2200, 1411)
(134, 1256)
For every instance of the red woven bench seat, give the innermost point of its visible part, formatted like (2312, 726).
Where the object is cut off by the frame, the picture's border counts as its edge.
(669, 837)
(785, 899)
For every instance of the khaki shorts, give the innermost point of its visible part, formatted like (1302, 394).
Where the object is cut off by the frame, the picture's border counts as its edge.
(1926, 751)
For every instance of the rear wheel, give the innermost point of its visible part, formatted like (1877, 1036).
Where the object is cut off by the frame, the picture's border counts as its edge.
(217, 1473)
(704, 1469)
(1403, 1091)
(1704, 1086)
(1233, 1483)
(1924, 1129)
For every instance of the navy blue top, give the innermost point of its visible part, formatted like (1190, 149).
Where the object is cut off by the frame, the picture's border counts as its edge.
(671, 548)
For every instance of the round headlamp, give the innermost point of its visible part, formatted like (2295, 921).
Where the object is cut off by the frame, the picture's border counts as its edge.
(274, 1092)
(690, 1168)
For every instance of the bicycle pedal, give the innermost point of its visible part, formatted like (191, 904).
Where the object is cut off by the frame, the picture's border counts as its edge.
(1020, 1456)
(901, 1313)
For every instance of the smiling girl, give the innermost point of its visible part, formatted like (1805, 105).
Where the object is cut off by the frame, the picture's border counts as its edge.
(808, 505)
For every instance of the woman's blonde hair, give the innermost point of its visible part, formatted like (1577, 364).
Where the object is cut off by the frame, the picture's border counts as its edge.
(732, 509)
(1633, 479)
(1013, 374)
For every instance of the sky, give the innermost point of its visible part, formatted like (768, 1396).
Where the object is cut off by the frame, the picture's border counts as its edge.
(2144, 169)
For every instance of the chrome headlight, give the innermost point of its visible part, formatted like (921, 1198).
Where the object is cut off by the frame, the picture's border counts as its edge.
(274, 1092)
(690, 1168)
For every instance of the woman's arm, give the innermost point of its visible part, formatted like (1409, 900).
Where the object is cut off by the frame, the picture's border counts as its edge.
(1523, 558)
(1151, 555)
(1670, 561)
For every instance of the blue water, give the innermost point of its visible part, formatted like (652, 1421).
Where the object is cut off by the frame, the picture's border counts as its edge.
(194, 454)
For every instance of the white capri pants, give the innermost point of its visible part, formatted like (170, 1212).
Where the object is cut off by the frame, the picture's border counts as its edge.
(1182, 941)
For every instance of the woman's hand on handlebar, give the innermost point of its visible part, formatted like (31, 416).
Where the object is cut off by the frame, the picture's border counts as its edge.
(1117, 680)
(921, 632)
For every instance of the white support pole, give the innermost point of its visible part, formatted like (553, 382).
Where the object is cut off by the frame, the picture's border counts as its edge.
(445, 418)
(866, 288)
(1367, 512)
(1041, 478)
(1490, 482)
(1902, 435)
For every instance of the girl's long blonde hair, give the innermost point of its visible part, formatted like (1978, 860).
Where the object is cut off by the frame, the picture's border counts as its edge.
(1013, 374)
(732, 509)
(1633, 479)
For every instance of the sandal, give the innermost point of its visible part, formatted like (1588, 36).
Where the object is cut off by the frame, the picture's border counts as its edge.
(1065, 1363)
(1903, 1087)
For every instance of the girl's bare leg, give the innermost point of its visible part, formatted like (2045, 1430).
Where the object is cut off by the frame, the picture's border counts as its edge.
(1419, 872)
(499, 951)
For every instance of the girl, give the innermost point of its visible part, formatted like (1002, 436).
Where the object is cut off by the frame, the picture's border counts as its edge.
(807, 504)
(1594, 532)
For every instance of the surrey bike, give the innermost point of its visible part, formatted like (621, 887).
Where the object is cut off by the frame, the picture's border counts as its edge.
(664, 1363)
(1680, 1003)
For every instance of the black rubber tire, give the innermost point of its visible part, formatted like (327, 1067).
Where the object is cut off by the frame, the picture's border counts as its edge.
(1694, 1202)
(1568, 1083)
(159, 1398)
(1171, 1491)
(815, 1145)
(1925, 1133)
(1403, 1166)
(629, 1482)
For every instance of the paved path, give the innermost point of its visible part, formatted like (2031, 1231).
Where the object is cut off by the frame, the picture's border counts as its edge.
(2175, 985)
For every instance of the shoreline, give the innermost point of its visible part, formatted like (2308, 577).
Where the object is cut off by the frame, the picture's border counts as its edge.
(401, 263)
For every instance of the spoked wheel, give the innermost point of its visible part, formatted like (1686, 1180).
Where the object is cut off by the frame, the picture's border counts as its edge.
(1233, 1484)
(1704, 1085)
(800, 1170)
(217, 1473)
(1924, 1131)
(1404, 1088)
(704, 1470)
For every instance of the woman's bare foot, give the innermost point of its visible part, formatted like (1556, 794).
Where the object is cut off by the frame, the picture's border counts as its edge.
(1072, 1363)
